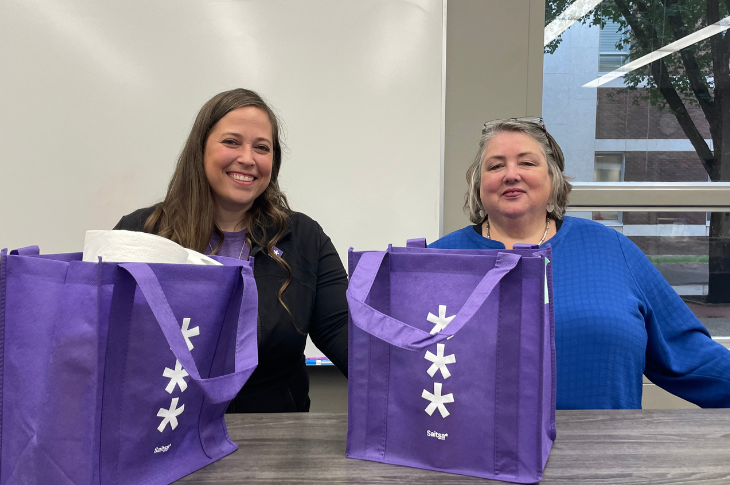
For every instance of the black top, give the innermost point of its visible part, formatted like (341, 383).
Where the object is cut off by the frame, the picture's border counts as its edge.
(316, 299)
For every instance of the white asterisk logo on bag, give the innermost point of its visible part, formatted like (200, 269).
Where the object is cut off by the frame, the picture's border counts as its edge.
(189, 332)
(439, 361)
(441, 321)
(437, 400)
(177, 379)
(170, 415)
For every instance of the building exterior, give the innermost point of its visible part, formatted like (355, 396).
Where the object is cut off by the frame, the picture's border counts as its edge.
(611, 135)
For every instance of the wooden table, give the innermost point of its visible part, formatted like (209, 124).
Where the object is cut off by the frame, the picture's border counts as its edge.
(686, 446)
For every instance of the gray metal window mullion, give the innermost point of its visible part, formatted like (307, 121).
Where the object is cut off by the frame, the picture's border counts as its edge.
(650, 196)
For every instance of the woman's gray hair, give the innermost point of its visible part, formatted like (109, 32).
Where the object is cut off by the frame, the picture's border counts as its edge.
(550, 149)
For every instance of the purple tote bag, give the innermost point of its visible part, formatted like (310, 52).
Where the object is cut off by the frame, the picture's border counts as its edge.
(452, 360)
(119, 373)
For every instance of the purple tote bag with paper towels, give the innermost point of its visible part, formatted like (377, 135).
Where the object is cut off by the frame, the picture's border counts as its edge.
(452, 360)
(119, 373)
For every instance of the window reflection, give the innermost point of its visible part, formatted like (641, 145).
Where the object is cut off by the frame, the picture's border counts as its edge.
(613, 53)
(678, 245)
(662, 112)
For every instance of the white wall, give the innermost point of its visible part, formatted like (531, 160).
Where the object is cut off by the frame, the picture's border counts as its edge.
(96, 99)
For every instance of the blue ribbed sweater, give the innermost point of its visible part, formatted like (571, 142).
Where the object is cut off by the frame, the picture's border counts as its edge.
(617, 318)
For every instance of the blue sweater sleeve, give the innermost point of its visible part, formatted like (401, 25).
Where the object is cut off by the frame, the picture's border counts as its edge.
(680, 355)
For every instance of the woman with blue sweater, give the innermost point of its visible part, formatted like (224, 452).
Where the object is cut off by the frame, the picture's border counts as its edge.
(616, 317)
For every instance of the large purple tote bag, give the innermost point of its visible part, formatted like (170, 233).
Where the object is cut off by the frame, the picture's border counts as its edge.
(452, 360)
(119, 373)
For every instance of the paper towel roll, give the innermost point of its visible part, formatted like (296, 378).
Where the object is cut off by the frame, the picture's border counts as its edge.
(195, 257)
(138, 247)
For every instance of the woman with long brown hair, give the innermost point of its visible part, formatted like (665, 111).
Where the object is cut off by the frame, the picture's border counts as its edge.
(224, 199)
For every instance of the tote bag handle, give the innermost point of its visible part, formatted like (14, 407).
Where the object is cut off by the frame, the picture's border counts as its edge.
(399, 333)
(218, 389)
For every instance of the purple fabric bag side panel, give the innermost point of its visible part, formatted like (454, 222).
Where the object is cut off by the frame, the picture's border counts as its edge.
(354, 408)
(120, 310)
(532, 407)
(549, 370)
(507, 393)
(49, 416)
(3, 290)
(554, 371)
(379, 372)
(548, 424)
(357, 382)
(368, 391)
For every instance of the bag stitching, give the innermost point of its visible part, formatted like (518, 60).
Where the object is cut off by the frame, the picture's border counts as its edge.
(540, 385)
(101, 350)
(496, 393)
(519, 373)
(3, 289)
(387, 375)
(350, 331)
(553, 435)
(367, 395)
(124, 374)
(496, 384)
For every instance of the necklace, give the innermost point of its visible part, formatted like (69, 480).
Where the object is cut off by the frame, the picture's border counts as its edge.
(547, 228)
(239, 254)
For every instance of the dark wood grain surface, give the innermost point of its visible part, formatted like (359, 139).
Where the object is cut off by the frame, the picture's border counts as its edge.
(686, 446)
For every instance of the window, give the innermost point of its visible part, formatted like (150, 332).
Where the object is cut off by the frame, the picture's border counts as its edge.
(610, 57)
(608, 167)
(611, 134)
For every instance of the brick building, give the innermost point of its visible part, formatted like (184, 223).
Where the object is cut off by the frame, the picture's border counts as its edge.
(611, 135)
(661, 151)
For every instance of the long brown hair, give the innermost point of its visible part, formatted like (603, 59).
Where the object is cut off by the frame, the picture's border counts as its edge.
(187, 215)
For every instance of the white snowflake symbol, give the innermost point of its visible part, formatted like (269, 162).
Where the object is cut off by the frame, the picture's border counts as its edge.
(170, 415)
(441, 321)
(176, 376)
(439, 361)
(189, 332)
(437, 400)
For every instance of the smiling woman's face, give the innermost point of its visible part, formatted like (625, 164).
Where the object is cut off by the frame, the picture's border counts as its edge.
(238, 158)
(515, 178)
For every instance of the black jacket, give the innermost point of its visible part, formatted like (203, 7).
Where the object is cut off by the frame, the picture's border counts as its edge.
(316, 298)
